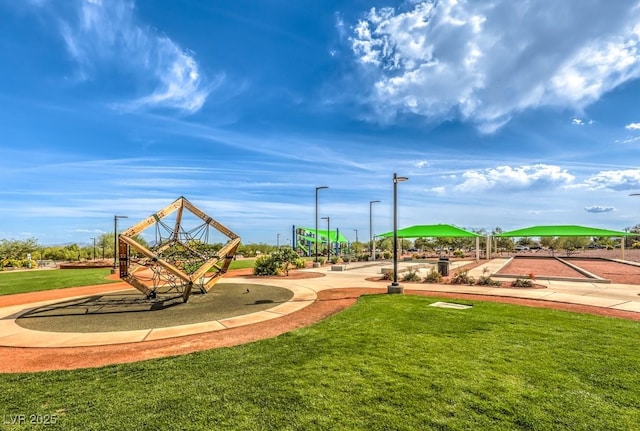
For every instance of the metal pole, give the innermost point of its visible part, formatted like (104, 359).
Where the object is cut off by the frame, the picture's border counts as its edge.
(395, 287)
(371, 240)
(115, 240)
(356, 234)
(316, 237)
(278, 241)
(94, 248)
(328, 219)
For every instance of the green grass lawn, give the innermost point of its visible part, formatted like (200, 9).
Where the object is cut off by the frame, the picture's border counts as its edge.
(389, 362)
(31, 281)
(36, 280)
(242, 263)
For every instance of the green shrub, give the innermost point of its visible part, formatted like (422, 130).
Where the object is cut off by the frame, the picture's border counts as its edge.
(458, 253)
(322, 260)
(300, 263)
(334, 260)
(276, 263)
(462, 277)
(265, 265)
(521, 282)
(386, 255)
(433, 276)
(411, 276)
(486, 280)
(387, 275)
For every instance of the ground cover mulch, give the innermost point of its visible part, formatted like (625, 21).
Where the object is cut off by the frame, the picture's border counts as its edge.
(539, 267)
(615, 271)
(328, 303)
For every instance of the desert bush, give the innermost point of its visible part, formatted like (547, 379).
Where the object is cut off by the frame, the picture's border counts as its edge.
(462, 277)
(387, 255)
(458, 253)
(276, 263)
(433, 276)
(265, 265)
(521, 282)
(411, 276)
(486, 280)
(387, 275)
(300, 263)
(334, 260)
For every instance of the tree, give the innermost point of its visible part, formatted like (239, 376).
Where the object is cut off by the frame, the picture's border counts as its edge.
(571, 244)
(502, 243)
(357, 247)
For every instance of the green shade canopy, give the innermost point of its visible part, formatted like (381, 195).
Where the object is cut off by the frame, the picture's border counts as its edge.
(432, 231)
(561, 230)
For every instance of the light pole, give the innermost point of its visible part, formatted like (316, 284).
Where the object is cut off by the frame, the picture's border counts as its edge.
(356, 234)
(371, 240)
(395, 287)
(315, 264)
(115, 241)
(278, 241)
(328, 219)
(94, 248)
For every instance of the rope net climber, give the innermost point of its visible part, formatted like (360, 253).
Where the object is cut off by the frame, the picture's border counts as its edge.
(182, 255)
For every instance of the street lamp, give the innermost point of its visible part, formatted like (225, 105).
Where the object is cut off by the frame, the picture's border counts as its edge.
(395, 287)
(371, 241)
(94, 248)
(278, 241)
(328, 219)
(356, 235)
(316, 237)
(115, 240)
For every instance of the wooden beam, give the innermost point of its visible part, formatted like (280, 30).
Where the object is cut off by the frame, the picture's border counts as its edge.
(152, 219)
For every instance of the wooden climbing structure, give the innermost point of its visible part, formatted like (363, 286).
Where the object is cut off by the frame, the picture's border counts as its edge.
(181, 256)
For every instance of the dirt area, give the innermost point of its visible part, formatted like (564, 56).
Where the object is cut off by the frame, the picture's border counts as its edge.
(532, 267)
(540, 267)
(616, 272)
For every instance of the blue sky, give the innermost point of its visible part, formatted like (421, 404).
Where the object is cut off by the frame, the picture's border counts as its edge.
(501, 113)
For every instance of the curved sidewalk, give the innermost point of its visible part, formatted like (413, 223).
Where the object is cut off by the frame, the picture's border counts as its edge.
(14, 335)
(618, 297)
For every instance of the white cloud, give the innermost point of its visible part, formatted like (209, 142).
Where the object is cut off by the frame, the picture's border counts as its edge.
(599, 209)
(437, 190)
(514, 178)
(107, 34)
(421, 164)
(484, 61)
(620, 180)
(633, 126)
(577, 122)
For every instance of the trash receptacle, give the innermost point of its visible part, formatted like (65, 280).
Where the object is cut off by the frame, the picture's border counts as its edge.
(443, 266)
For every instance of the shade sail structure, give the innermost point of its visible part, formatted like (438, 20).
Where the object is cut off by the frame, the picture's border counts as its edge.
(561, 230)
(432, 231)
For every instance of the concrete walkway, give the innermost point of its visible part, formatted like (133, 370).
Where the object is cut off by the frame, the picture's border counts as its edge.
(613, 296)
